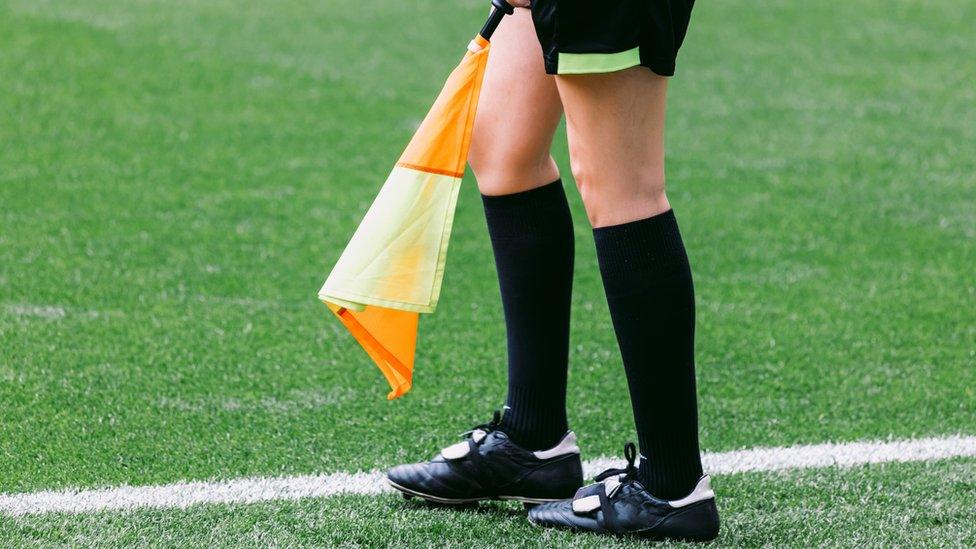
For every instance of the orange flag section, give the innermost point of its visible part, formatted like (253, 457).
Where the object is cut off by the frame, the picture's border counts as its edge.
(389, 337)
(392, 268)
(441, 143)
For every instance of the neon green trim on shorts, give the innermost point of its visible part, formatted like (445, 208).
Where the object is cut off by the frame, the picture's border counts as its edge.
(589, 63)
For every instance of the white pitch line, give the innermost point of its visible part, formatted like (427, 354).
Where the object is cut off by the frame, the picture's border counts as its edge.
(250, 490)
(847, 454)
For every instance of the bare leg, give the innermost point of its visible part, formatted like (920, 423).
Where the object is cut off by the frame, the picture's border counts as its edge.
(615, 125)
(517, 114)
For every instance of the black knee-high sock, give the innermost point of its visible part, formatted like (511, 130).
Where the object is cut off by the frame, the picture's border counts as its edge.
(652, 303)
(532, 237)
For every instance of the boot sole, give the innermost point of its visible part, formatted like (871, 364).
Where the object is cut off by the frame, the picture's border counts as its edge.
(407, 492)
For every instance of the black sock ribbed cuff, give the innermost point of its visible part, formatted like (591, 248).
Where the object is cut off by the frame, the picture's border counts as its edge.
(542, 210)
(640, 251)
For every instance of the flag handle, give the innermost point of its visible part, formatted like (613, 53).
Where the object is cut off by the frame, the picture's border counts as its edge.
(500, 8)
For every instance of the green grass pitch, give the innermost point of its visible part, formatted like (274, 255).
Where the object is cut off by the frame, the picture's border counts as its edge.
(177, 178)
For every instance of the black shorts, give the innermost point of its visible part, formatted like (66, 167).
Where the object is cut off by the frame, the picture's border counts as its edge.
(581, 37)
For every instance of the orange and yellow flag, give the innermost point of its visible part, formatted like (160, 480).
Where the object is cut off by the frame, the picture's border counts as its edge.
(392, 268)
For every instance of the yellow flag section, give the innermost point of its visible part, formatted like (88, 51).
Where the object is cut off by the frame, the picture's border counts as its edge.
(391, 270)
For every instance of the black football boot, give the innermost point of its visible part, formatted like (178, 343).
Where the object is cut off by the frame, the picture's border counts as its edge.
(619, 504)
(488, 465)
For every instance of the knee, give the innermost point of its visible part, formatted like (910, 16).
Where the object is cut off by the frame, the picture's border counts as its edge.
(503, 169)
(612, 196)
(486, 163)
(581, 174)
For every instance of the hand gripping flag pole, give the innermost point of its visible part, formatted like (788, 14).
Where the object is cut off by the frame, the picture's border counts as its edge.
(391, 270)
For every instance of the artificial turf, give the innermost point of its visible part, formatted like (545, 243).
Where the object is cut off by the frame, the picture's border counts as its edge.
(177, 178)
